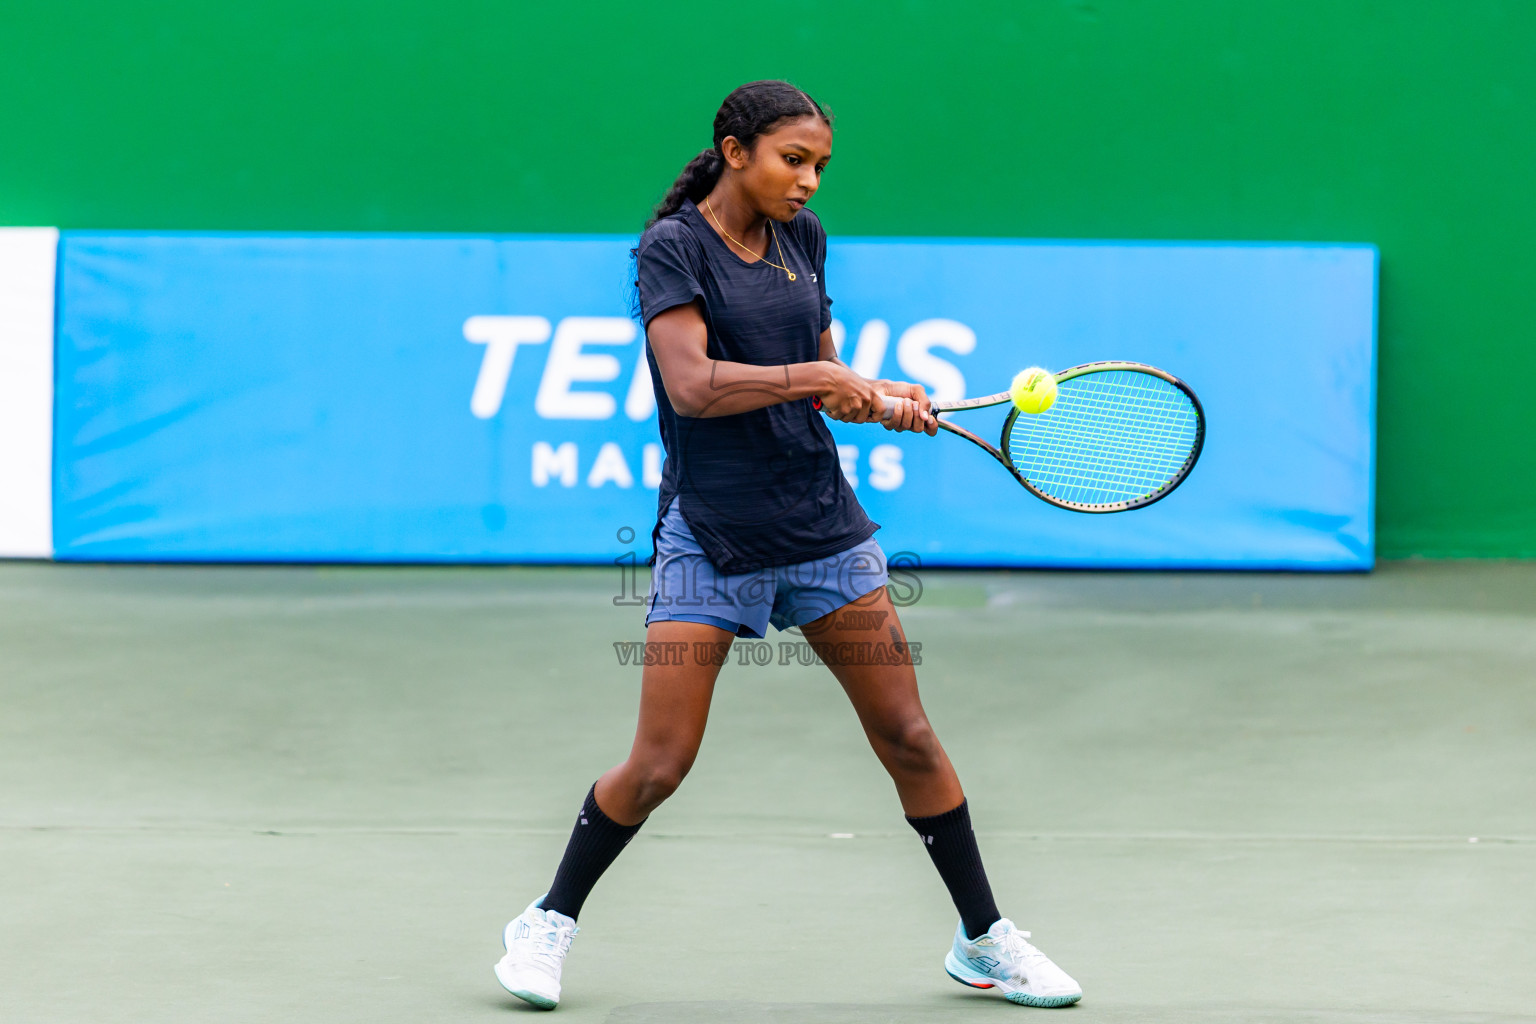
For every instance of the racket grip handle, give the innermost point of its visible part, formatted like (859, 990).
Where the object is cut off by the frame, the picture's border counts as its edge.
(890, 405)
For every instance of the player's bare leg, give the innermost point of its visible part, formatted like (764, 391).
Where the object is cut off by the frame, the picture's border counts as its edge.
(869, 635)
(675, 691)
(862, 643)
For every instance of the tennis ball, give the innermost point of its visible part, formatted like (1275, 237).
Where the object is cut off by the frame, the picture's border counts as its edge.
(1034, 390)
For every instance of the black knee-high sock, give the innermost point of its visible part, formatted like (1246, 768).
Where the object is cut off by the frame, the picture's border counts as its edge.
(596, 842)
(950, 842)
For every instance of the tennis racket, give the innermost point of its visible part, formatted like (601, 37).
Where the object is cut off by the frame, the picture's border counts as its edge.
(1119, 436)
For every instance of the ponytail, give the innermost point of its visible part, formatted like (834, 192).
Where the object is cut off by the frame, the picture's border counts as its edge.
(698, 180)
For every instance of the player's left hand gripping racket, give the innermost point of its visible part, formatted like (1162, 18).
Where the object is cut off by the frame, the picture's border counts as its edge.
(1119, 436)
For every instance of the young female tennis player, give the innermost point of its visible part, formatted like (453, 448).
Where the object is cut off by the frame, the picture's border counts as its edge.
(757, 525)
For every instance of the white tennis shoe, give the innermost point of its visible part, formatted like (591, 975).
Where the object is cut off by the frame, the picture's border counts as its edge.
(537, 941)
(1003, 960)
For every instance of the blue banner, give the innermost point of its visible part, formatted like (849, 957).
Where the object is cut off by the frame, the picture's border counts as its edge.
(323, 398)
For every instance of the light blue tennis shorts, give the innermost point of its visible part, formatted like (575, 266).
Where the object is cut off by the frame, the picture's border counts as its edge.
(686, 587)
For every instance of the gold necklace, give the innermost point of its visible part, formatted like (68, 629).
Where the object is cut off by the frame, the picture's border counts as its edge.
(743, 248)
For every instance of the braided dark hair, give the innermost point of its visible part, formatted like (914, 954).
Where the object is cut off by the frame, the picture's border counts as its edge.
(754, 109)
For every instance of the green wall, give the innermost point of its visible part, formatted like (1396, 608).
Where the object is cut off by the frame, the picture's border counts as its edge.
(1407, 124)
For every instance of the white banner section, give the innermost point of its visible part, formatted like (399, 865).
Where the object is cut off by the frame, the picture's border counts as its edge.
(27, 260)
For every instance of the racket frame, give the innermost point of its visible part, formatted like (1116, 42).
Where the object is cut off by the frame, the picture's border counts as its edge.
(1002, 454)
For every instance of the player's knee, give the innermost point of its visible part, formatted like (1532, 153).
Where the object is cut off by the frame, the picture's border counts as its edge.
(911, 746)
(658, 779)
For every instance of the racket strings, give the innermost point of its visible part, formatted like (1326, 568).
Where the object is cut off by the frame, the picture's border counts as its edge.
(1118, 463)
(1111, 437)
(1109, 453)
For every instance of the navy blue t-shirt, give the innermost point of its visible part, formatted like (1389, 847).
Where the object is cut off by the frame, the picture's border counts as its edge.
(760, 488)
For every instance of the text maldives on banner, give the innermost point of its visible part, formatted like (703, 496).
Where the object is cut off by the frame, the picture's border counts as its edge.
(453, 399)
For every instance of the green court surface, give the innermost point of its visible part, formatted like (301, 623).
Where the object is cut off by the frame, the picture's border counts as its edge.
(316, 794)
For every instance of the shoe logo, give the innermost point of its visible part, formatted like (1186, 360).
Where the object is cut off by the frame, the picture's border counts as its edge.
(521, 931)
(985, 963)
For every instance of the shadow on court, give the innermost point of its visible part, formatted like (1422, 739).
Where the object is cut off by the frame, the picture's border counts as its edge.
(278, 794)
(857, 1013)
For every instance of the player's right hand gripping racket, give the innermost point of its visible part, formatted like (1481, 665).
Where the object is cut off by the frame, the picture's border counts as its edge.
(1119, 436)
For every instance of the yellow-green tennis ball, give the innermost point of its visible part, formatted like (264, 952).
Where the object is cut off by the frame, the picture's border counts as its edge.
(1034, 390)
